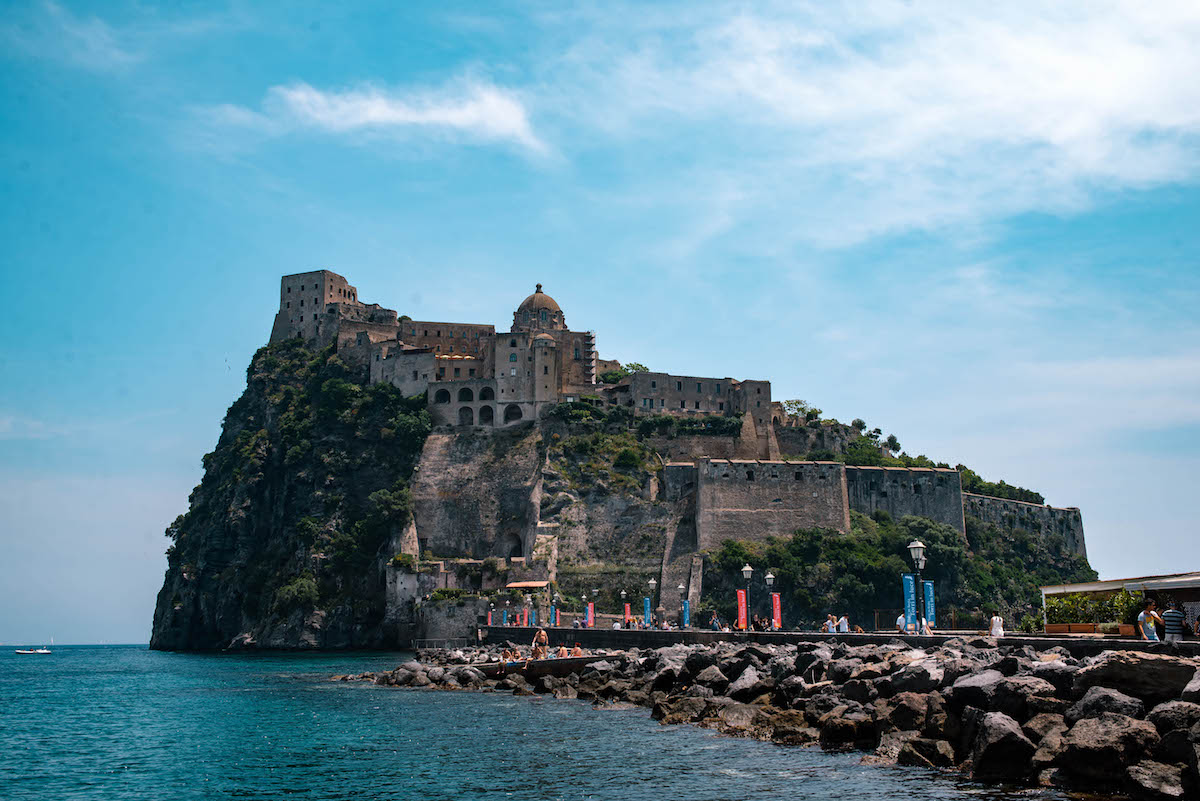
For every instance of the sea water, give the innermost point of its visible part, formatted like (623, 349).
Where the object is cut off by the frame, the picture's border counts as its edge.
(123, 722)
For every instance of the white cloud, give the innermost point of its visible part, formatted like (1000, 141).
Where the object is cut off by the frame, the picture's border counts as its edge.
(50, 30)
(473, 110)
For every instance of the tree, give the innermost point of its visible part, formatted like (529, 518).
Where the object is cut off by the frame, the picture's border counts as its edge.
(892, 443)
(795, 407)
(859, 423)
(635, 367)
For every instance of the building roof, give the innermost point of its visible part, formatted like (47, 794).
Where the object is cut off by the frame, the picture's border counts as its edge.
(526, 585)
(1167, 581)
(538, 300)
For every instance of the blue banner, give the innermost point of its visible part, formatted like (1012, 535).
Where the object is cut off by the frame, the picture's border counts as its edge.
(909, 581)
(930, 611)
(504, 620)
(533, 617)
(553, 617)
(687, 612)
(646, 609)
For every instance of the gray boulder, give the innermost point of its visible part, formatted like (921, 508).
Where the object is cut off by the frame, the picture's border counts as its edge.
(712, 676)
(1011, 696)
(1154, 780)
(1173, 720)
(739, 716)
(919, 677)
(925, 753)
(1037, 727)
(1154, 678)
(1104, 699)
(750, 685)
(1191, 691)
(1101, 748)
(1000, 749)
(975, 690)
(1058, 673)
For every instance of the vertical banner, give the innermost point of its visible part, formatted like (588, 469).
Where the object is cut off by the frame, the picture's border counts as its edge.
(909, 581)
(685, 619)
(628, 614)
(533, 617)
(930, 612)
(557, 618)
(741, 609)
(591, 614)
(504, 618)
(646, 610)
(776, 611)
(489, 617)
(525, 616)
(553, 619)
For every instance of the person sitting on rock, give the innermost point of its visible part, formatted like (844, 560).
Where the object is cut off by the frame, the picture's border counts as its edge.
(576, 651)
(996, 625)
(562, 652)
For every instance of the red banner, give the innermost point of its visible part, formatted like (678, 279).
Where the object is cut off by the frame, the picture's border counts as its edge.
(525, 616)
(557, 617)
(628, 613)
(741, 601)
(776, 611)
(489, 617)
(591, 615)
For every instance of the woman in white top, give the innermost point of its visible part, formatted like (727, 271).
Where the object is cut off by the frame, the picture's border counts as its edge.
(997, 626)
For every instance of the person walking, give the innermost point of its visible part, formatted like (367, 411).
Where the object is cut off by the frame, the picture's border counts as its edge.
(1173, 623)
(996, 625)
(1146, 620)
(843, 624)
(901, 623)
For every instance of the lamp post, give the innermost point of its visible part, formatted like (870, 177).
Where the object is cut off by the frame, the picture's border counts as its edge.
(747, 571)
(770, 579)
(682, 600)
(624, 618)
(916, 550)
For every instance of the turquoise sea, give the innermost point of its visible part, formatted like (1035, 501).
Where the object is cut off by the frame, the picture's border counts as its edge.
(122, 722)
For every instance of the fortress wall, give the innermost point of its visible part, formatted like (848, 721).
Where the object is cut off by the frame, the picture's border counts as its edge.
(899, 491)
(1032, 517)
(462, 338)
(797, 441)
(742, 499)
(679, 480)
(695, 446)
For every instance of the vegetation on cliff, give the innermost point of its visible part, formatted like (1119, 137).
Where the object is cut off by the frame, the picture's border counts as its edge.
(822, 571)
(285, 536)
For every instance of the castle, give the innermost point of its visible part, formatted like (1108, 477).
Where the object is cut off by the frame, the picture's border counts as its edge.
(476, 376)
(710, 488)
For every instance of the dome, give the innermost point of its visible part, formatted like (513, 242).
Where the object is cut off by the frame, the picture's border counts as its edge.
(538, 300)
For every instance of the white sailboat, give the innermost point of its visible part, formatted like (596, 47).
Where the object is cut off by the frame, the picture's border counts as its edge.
(42, 650)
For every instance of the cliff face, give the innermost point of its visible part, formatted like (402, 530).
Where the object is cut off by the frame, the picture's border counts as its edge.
(302, 502)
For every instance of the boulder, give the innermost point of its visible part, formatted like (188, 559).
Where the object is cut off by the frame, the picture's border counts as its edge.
(905, 712)
(1043, 703)
(565, 692)
(750, 684)
(890, 743)
(1049, 751)
(700, 659)
(1000, 750)
(1173, 720)
(1037, 727)
(975, 690)
(840, 670)
(1154, 780)
(1100, 748)
(859, 690)
(790, 688)
(1011, 696)
(1154, 678)
(820, 704)
(1057, 672)
(683, 710)
(1104, 699)
(420, 680)
(712, 676)
(1191, 691)
(839, 728)
(412, 666)
(739, 716)
(871, 670)
(435, 673)
(925, 753)
(918, 677)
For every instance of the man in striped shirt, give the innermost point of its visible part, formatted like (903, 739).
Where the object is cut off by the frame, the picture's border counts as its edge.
(1173, 622)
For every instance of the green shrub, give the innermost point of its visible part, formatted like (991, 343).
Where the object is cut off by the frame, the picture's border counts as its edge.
(299, 593)
(628, 458)
(446, 594)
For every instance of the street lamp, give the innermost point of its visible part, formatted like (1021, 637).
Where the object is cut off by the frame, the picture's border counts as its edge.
(746, 572)
(652, 584)
(770, 579)
(682, 600)
(916, 550)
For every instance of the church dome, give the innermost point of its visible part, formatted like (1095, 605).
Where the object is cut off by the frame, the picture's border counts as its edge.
(538, 300)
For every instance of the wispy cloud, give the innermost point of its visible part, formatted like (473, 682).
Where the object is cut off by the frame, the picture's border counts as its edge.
(470, 110)
(52, 31)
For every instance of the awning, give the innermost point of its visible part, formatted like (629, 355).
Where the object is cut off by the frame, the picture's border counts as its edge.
(1169, 581)
(526, 585)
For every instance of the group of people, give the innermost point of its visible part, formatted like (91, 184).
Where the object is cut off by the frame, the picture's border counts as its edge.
(1173, 622)
(540, 649)
(902, 625)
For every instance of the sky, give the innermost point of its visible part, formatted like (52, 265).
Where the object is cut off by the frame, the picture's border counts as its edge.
(974, 225)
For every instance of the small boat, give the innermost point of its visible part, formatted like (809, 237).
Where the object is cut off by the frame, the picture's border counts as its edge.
(534, 668)
(42, 650)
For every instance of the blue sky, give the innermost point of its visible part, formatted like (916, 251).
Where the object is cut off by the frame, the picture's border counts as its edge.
(975, 227)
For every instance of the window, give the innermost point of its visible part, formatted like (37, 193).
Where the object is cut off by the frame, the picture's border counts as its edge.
(679, 386)
(718, 389)
(799, 476)
(512, 357)
(414, 375)
(653, 385)
(439, 333)
(451, 335)
(302, 303)
(441, 372)
(512, 371)
(758, 403)
(698, 387)
(302, 287)
(289, 290)
(424, 376)
(749, 475)
(758, 390)
(647, 402)
(376, 357)
(437, 349)
(426, 332)
(545, 369)
(543, 315)
(316, 301)
(662, 402)
(457, 372)
(683, 404)
(302, 318)
(289, 304)
(412, 332)
(471, 372)
(512, 343)
(720, 407)
(697, 404)
(576, 353)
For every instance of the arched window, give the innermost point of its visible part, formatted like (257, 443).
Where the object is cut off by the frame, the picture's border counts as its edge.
(512, 413)
(512, 343)
(512, 357)
(466, 416)
(487, 415)
(442, 396)
(465, 395)
(487, 393)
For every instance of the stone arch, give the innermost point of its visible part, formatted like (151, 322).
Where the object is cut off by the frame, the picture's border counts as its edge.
(512, 413)
(465, 395)
(510, 545)
(442, 396)
(466, 416)
(487, 415)
(487, 393)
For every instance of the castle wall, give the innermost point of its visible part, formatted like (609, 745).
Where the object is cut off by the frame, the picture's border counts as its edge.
(467, 339)
(1034, 518)
(798, 440)
(899, 491)
(744, 499)
(302, 299)
(661, 393)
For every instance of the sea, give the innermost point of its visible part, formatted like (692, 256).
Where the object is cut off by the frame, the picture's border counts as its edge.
(124, 722)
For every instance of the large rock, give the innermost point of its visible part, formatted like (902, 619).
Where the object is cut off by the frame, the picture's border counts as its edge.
(1100, 748)
(1154, 678)
(975, 690)
(683, 710)
(1154, 780)
(1191, 692)
(1000, 749)
(739, 716)
(925, 753)
(1173, 720)
(919, 677)
(1042, 724)
(712, 676)
(1057, 672)
(1011, 696)
(1104, 699)
(750, 684)
(905, 712)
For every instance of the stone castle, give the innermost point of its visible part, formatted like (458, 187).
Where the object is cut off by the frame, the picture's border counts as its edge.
(710, 488)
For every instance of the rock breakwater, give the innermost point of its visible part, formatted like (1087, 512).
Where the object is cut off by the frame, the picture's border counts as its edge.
(1119, 722)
